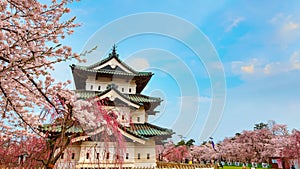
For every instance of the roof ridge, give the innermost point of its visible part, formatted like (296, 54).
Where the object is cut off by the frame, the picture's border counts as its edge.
(112, 55)
(147, 96)
(136, 98)
(116, 72)
(113, 87)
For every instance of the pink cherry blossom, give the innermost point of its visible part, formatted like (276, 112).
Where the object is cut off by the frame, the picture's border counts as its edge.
(30, 34)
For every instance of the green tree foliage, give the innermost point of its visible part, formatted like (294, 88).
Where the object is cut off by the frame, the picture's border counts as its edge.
(180, 143)
(190, 142)
(260, 126)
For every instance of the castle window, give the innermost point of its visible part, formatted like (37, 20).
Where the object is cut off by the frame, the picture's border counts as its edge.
(107, 155)
(91, 87)
(73, 156)
(122, 89)
(123, 117)
(99, 87)
(62, 156)
(97, 157)
(87, 155)
(148, 156)
(127, 156)
(129, 90)
(138, 119)
(139, 156)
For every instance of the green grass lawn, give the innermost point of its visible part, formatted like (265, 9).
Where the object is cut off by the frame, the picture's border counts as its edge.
(237, 167)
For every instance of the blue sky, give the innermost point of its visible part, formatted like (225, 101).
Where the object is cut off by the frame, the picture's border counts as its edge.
(256, 42)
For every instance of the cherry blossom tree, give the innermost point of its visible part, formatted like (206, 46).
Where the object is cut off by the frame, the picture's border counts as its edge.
(229, 149)
(170, 152)
(292, 149)
(204, 152)
(29, 43)
(250, 146)
(266, 140)
(30, 33)
(177, 154)
(23, 153)
(278, 129)
(26, 85)
(279, 140)
(257, 145)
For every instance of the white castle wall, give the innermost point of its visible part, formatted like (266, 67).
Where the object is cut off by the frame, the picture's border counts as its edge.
(85, 155)
(100, 84)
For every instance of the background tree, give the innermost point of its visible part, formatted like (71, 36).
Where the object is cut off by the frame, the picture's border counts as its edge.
(292, 149)
(181, 143)
(204, 152)
(190, 142)
(253, 145)
(170, 152)
(260, 126)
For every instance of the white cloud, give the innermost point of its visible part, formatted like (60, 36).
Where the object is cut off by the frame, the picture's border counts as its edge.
(287, 28)
(267, 69)
(256, 68)
(277, 18)
(274, 67)
(234, 23)
(285, 23)
(240, 67)
(290, 26)
(248, 69)
(295, 61)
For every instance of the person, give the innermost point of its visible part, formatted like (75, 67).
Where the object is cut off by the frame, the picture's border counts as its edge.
(293, 166)
(244, 166)
(221, 165)
(186, 161)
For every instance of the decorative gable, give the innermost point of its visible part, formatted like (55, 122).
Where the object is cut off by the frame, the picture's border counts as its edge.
(112, 94)
(114, 64)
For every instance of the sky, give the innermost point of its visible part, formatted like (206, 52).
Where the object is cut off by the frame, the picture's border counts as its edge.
(220, 67)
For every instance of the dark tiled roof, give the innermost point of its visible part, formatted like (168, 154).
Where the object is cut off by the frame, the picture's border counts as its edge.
(137, 98)
(140, 130)
(111, 72)
(56, 128)
(142, 98)
(147, 130)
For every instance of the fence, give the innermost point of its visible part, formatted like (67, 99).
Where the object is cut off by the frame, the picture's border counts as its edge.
(162, 165)
(159, 165)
